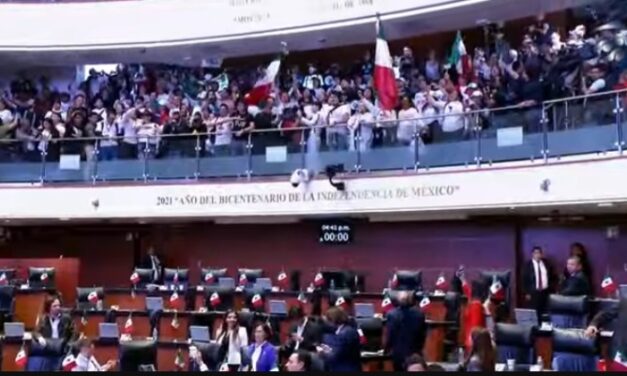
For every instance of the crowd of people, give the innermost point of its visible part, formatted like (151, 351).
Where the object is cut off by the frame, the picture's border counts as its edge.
(147, 110)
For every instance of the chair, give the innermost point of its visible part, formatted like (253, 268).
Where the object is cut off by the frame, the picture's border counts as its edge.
(247, 320)
(7, 303)
(251, 275)
(210, 354)
(452, 302)
(334, 295)
(215, 273)
(409, 280)
(169, 275)
(9, 273)
(249, 294)
(146, 277)
(35, 277)
(605, 305)
(573, 351)
(568, 311)
(46, 358)
(338, 280)
(134, 354)
(514, 341)
(82, 297)
(373, 331)
(226, 298)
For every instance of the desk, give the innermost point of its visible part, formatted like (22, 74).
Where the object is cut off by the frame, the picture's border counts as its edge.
(10, 348)
(125, 299)
(434, 343)
(90, 327)
(105, 351)
(29, 305)
(166, 355)
(167, 332)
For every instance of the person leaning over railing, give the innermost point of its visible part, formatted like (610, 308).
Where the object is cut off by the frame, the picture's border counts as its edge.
(453, 123)
(360, 127)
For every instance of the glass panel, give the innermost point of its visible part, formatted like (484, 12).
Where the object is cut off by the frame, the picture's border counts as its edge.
(70, 160)
(172, 157)
(120, 160)
(509, 134)
(219, 159)
(622, 118)
(448, 140)
(18, 164)
(582, 125)
(388, 145)
(279, 152)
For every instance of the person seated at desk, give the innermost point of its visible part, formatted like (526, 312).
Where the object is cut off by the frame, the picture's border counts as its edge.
(406, 331)
(85, 360)
(576, 283)
(482, 356)
(54, 324)
(304, 333)
(415, 363)
(233, 338)
(340, 347)
(299, 361)
(602, 319)
(262, 355)
(196, 364)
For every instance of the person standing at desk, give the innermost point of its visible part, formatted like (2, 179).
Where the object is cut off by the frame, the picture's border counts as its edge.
(537, 278)
(153, 262)
(340, 347)
(576, 283)
(406, 330)
(232, 339)
(304, 332)
(54, 324)
(617, 314)
(263, 356)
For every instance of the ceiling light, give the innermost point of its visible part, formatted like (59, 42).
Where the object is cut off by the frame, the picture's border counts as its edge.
(605, 204)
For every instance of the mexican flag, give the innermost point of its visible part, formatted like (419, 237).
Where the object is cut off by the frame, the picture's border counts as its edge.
(619, 364)
(3, 279)
(179, 360)
(257, 301)
(459, 57)
(386, 305)
(21, 358)
(425, 303)
(243, 280)
(384, 79)
(134, 278)
(69, 362)
(214, 300)
(128, 325)
(394, 281)
(608, 286)
(209, 279)
(441, 283)
(93, 297)
(263, 87)
(319, 280)
(362, 337)
(497, 291)
(175, 324)
(282, 281)
(341, 303)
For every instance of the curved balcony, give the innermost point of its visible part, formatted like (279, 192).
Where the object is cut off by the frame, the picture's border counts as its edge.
(540, 135)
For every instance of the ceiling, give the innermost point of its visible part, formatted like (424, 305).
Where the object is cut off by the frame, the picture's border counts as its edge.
(452, 19)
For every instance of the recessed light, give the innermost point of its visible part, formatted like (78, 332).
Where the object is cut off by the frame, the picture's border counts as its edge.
(605, 204)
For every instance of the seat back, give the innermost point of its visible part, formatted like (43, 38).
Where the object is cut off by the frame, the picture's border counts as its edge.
(216, 273)
(36, 277)
(210, 354)
(249, 296)
(170, 274)
(568, 311)
(573, 351)
(317, 363)
(82, 297)
(134, 354)
(514, 341)
(226, 298)
(7, 294)
(9, 273)
(604, 305)
(452, 302)
(334, 295)
(373, 331)
(409, 280)
(251, 275)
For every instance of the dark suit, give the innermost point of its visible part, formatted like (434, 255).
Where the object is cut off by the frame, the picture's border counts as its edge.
(345, 353)
(539, 298)
(155, 264)
(575, 285)
(311, 334)
(619, 313)
(66, 329)
(406, 333)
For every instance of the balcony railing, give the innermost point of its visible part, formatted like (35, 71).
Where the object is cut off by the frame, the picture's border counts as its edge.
(540, 133)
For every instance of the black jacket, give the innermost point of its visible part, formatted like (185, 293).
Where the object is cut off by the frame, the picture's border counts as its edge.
(312, 335)
(529, 276)
(575, 285)
(67, 331)
(619, 313)
(406, 333)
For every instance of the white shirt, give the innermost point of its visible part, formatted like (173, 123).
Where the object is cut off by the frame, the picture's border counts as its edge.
(147, 132)
(255, 357)
(539, 270)
(54, 324)
(299, 332)
(223, 131)
(128, 126)
(84, 364)
(6, 116)
(407, 124)
(596, 86)
(108, 131)
(338, 118)
(453, 116)
(234, 353)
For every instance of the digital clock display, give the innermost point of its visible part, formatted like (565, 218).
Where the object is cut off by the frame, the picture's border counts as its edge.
(336, 233)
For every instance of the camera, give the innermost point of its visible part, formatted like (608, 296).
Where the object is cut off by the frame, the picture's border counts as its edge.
(300, 176)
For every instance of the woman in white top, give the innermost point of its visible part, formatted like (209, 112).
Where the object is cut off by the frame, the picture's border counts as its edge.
(147, 134)
(108, 130)
(337, 118)
(361, 125)
(453, 118)
(222, 127)
(233, 339)
(408, 122)
(316, 122)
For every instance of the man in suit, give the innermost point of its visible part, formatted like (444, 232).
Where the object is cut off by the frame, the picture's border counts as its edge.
(576, 283)
(537, 279)
(305, 334)
(54, 324)
(604, 318)
(153, 262)
(406, 330)
(299, 361)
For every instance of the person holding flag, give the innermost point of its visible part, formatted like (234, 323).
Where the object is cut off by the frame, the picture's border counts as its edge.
(618, 348)
(406, 330)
